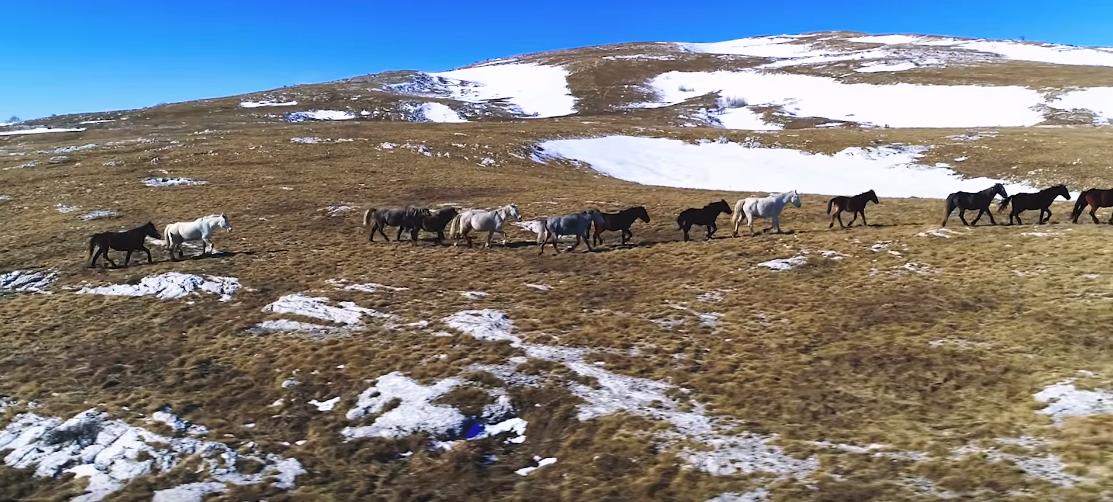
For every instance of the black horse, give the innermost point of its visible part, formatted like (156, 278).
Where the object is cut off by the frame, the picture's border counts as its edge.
(619, 221)
(964, 201)
(129, 240)
(856, 205)
(401, 217)
(1040, 200)
(1095, 198)
(432, 221)
(705, 216)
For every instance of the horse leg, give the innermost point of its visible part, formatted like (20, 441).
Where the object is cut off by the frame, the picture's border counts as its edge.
(750, 222)
(382, 233)
(711, 231)
(737, 220)
(1094, 215)
(626, 236)
(863, 212)
(148, 251)
(127, 258)
(490, 235)
(208, 248)
(587, 242)
(1043, 219)
(374, 227)
(467, 236)
(577, 244)
(685, 227)
(776, 226)
(96, 254)
(398, 236)
(962, 216)
(852, 220)
(109, 258)
(990, 214)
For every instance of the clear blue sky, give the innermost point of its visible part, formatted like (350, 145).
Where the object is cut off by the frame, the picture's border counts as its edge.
(74, 56)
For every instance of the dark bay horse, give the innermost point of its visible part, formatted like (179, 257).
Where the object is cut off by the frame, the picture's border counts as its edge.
(129, 240)
(1095, 198)
(401, 217)
(435, 221)
(705, 216)
(856, 205)
(619, 221)
(1040, 200)
(964, 201)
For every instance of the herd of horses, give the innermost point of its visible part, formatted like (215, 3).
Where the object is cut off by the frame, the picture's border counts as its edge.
(588, 226)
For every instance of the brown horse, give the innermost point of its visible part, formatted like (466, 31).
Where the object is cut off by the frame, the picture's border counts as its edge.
(1095, 198)
(130, 241)
(1040, 200)
(856, 205)
(620, 221)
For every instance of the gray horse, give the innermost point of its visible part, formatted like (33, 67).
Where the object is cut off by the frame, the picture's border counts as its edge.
(401, 217)
(578, 224)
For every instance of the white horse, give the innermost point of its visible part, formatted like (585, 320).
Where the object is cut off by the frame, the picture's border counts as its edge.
(482, 220)
(200, 229)
(763, 207)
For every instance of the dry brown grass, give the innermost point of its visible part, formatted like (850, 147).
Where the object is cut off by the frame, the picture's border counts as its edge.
(835, 350)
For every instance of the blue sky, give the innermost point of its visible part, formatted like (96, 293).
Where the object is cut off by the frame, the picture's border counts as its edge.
(75, 56)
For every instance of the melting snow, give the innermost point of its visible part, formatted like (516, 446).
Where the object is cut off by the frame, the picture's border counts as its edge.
(366, 287)
(190, 492)
(716, 453)
(172, 182)
(731, 166)
(318, 307)
(268, 102)
(474, 295)
(755, 495)
(533, 89)
(541, 462)
(1098, 100)
(539, 287)
(895, 105)
(326, 405)
(319, 115)
(1064, 400)
(178, 424)
(64, 209)
(41, 130)
(73, 148)
(170, 285)
(436, 112)
(885, 67)
(110, 454)
(782, 264)
(98, 214)
(27, 281)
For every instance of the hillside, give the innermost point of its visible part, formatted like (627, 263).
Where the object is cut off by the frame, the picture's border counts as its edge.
(898, 361)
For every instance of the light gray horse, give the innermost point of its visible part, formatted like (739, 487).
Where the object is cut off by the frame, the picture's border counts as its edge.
(763, 207)
(578, 224)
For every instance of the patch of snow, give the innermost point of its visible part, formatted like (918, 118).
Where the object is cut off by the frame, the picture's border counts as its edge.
(945, 233)
(715, 296)
(782, 264)
(110, 454)
(886, 39)
(917, 268)
(541, 462)
(767, 47)
(474, 295)
(73, 149)
(64, 209)
(895, 105)
(326, 405)
(436, 112)
(1064, 400)
(319, 115)
(288, 326)
(532, 89)
(755, 495)
(27, 281)
(539, 287)
(172, 182)
(189, 492)
(314, 140)
(339, 209)
(414, 413)
(365, 287)
(178, 424)
(318, 307)
(487, 325)
(266, 102)
(891, 169)
(1097, 100)
(41, 130)
(171, 285)
(98, 214)
(885, 67)
(100, 121)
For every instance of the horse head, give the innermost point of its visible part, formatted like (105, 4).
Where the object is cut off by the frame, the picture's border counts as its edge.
(873, 197)
(150, 230)
(999, 189)
(795, 198)
(512, 211)
(641, 213)
(1062, 190)
(224, 223)
(722, 206)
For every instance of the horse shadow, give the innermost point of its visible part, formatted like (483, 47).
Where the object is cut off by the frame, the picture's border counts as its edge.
(228, 254)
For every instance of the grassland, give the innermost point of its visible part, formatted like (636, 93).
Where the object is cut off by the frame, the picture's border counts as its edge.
(860, 350)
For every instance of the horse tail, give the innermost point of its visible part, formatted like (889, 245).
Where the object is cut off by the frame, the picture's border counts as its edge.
(1079, 206)
(680, 222)
(1004, 203)
(454, 227)
(367, 216)
(92, 244)
(829, 203)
